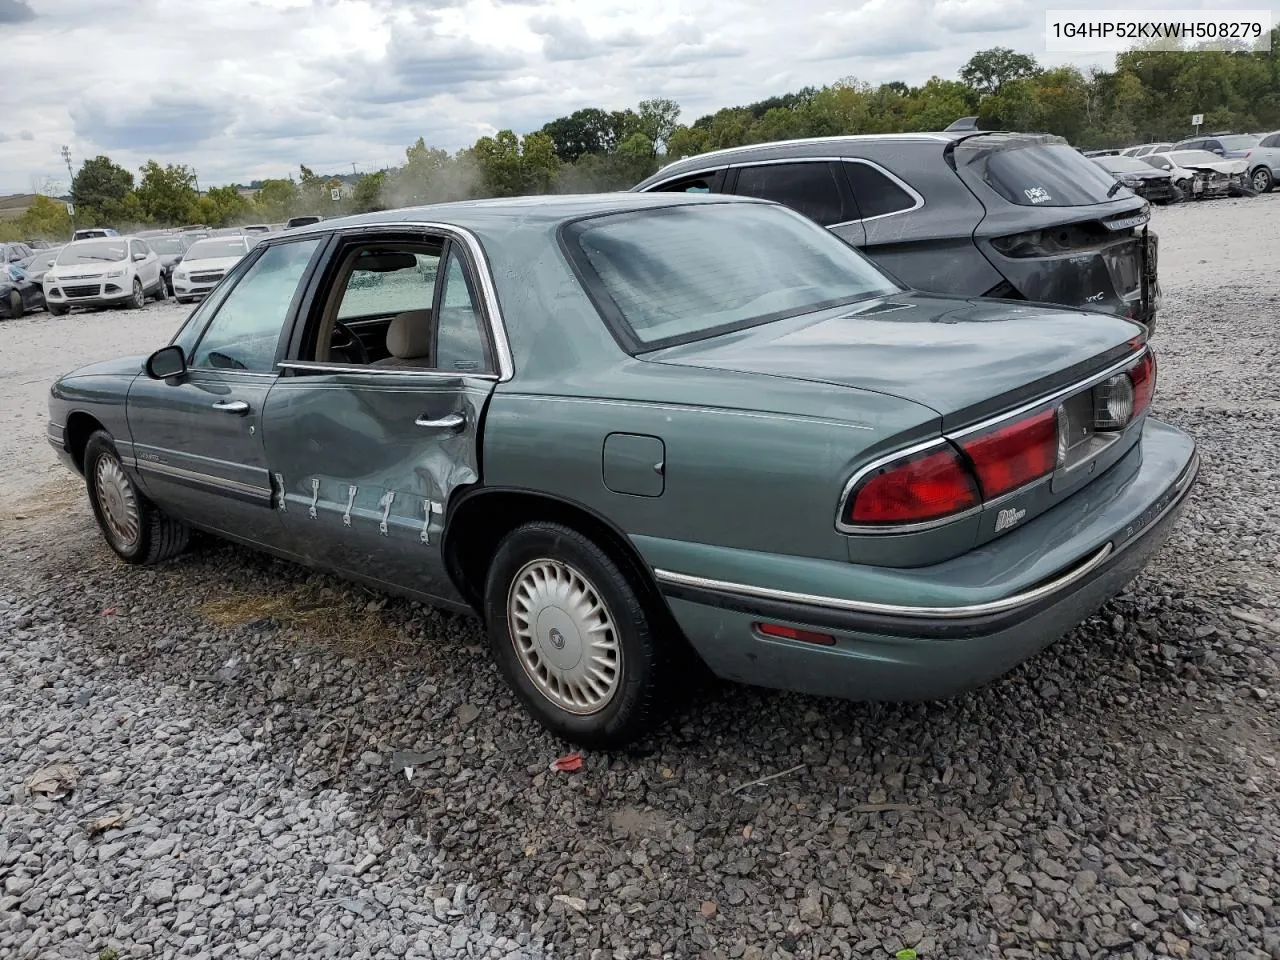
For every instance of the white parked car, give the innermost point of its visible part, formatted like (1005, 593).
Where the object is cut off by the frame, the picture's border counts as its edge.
(205, 263)
(103, 272)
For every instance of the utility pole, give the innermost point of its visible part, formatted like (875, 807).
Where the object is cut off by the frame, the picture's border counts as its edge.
(71, 180)
(353, 168)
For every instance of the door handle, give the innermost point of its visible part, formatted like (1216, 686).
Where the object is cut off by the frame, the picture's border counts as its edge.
(452, 421)
(231, 406)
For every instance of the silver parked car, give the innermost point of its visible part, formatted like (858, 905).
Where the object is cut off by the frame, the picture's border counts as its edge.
(1264, 162)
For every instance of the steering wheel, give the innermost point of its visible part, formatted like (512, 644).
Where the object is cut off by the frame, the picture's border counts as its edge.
(352, 345)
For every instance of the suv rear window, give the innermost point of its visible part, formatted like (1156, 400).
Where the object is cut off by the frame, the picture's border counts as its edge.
(1035, 171)
(683, 273)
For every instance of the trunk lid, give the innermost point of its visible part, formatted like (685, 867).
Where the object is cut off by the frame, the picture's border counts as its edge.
(965, 359)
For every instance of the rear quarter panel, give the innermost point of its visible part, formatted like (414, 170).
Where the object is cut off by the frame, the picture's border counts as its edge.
(737, 472)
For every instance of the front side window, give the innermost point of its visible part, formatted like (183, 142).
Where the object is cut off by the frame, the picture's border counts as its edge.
(684, 273)
(701, 183)
(245, 330)
(808, 188)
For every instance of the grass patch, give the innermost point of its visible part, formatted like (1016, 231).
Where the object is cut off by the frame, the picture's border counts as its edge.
(352, 631)
(55, 497)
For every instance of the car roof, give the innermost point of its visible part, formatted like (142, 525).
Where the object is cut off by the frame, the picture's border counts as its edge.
(542, 210)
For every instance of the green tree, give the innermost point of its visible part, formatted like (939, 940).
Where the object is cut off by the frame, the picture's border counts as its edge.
(989, 70)
(224, 206)
(510, 167)
(100, 188)
(589, 130)
(45, 219)
(277, 200)
(658, 119)
(367, 195)
(168, 194)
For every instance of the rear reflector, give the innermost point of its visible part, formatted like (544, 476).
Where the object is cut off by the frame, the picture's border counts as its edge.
(791, 633)
(916, 489)
(1013, 455)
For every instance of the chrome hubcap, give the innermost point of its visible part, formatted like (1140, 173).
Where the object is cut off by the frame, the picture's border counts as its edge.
(1260, 181)
(564, 636)
(118, 502)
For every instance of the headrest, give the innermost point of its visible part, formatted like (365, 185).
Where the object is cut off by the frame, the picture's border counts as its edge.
(409, 336)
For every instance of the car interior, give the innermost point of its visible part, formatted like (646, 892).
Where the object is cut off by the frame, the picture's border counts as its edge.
(382, 308)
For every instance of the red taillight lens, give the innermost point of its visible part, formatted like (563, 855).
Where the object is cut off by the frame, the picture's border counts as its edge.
(1143, 375)
(1009, 457)
(924, 487)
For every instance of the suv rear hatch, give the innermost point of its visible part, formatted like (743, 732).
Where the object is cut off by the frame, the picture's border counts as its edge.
(1058, 227)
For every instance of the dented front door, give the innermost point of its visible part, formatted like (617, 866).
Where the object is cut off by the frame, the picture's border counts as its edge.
(364, 464)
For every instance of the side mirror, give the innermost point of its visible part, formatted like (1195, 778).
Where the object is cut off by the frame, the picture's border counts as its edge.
(166, 362)
(139, 256)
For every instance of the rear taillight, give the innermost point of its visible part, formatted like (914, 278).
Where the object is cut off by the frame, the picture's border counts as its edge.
(964, 472)
(1015, 454)
(915, 489)
(1143, 377)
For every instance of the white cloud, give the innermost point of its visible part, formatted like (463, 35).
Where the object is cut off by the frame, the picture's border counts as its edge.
(248, 88)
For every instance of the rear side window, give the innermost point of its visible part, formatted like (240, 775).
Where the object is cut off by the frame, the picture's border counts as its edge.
(875, 192)
(808, 188)
(1033, 173)
(700, 183)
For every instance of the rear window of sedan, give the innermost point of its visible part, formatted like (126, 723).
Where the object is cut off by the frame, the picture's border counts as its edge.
(677, 274)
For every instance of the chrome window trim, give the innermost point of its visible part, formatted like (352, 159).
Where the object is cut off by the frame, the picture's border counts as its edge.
(917, 200)
(1062, 581)
(1026, 409)
(312, 366)
(488, 292)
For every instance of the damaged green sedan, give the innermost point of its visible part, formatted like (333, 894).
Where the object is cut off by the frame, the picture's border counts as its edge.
(630, 428)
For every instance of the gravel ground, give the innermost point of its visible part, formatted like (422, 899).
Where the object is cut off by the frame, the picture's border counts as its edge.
(237, 731)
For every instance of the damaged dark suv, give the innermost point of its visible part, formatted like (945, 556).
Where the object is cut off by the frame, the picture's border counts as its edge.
(994, 214)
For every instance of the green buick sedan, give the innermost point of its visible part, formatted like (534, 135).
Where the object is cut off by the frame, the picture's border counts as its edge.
(634, 431)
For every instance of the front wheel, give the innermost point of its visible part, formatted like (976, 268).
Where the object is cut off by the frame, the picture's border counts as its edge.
(572, 636)
(139, 298)
(131, 524)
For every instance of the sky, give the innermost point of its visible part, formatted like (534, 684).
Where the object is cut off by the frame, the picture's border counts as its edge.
(247, 89)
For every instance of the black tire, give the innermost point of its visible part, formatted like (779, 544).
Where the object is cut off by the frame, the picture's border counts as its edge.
(161, 293)
(158, 537)
(58, 310)
(16, 309)
(139, 298)
(1262, 180)
(640, 694)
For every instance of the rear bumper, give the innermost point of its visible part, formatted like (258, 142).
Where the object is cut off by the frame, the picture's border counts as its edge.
(926, 650)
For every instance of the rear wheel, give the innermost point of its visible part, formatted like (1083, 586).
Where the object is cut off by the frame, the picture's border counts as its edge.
(15, 304)
(132, 525)
(1262, 179)
(572, 636)
(161, 293)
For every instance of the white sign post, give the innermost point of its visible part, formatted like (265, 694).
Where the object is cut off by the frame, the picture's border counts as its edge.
(1196, 120)
(336, 194)
(71, 209)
